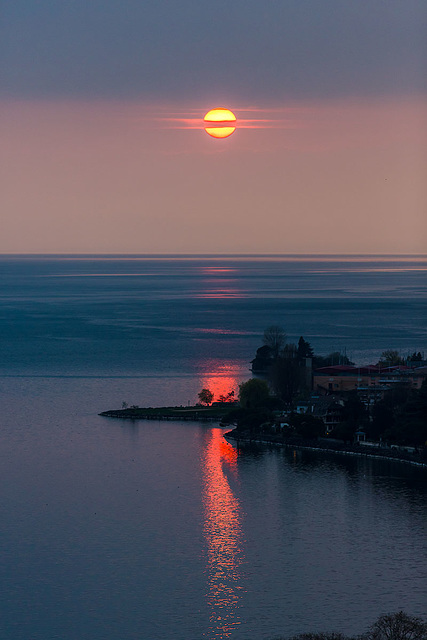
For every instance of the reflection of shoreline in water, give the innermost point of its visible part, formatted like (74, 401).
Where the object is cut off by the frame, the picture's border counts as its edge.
(261, 440)
(223, 534)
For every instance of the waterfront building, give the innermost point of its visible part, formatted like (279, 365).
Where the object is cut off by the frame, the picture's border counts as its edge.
(339, 378)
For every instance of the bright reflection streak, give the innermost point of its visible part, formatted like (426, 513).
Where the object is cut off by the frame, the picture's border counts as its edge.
(222, 293)
(223, 534)
(216, 270)
(220, 283)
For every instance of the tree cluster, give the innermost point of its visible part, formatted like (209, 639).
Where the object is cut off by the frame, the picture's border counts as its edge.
(401, 416)
(256, 413)
(416, 357)
(206, 397)
(305, 426)
(354, 416)
(275, 347)
(256, 407)
(390, 358)
(285, 363)
(334, 358)
(396, 626)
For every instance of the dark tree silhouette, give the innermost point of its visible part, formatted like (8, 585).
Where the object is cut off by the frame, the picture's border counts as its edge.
(205, 396)
(253, 394)
(275, 338)
(286, 377)
(398, 626)
(304, 349)
(390, 358)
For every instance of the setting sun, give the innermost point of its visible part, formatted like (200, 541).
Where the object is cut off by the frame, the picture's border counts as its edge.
(222, 117)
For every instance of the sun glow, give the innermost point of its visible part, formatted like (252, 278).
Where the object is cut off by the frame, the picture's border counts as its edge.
(222, 117)
(220, 132)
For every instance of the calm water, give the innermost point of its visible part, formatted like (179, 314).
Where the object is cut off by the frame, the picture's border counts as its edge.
(152, 530)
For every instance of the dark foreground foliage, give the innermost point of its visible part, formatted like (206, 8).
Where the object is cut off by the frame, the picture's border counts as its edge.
(320, 636)
(401, 416)
(396, 626)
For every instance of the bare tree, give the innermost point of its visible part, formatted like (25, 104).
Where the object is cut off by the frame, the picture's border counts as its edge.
(289, 351)
(275, 338)
(389, 358)
(398, 626)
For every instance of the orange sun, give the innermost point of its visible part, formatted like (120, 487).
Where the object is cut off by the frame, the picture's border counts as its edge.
(222, 121)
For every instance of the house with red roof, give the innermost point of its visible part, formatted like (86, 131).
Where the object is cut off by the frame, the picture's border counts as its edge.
(339, 378)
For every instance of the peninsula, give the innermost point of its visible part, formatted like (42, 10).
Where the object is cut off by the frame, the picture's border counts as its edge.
(195, 413)
(379, 410)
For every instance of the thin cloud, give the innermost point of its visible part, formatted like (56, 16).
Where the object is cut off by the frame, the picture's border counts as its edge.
(191, 121)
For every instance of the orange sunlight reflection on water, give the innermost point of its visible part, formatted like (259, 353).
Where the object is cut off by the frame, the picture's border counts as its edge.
(220, 282)
(221, 385)
(223, 534)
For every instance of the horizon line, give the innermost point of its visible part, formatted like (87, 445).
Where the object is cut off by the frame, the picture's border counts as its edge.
(210, 254)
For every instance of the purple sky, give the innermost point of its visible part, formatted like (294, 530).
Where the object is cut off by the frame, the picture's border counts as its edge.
(92, 162)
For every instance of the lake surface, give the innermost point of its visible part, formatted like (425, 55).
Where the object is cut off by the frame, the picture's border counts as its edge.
(148, 530)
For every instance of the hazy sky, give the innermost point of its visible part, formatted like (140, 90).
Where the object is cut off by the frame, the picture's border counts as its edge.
(98, 151)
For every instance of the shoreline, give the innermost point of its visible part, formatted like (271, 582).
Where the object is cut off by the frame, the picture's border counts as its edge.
(190, 414)
(322, 449)
(215, 414)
